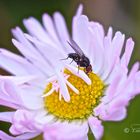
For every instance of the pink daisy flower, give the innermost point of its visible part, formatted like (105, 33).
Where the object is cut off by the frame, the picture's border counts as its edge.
(51, 96)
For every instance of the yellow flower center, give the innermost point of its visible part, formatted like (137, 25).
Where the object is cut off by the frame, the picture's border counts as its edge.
(81, 105)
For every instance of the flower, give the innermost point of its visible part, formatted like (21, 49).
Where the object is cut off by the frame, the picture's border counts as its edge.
(51, 96)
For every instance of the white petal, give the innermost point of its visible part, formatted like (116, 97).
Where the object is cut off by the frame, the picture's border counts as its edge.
(48, 93)
(31, 97)
(36, 29)
(72, 87)
(43, 118)
(28, 50)
(18, 80)
(61, 29)
(50, 27)
(48, 52)
(81, 33)
(80, 74)
(28, 47)
(36, 61)
(63, 88)
(15, 64)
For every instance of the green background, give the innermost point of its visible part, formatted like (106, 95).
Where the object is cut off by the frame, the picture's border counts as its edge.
(123, 15)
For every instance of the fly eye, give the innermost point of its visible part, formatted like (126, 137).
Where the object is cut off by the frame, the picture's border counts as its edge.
(76, 59)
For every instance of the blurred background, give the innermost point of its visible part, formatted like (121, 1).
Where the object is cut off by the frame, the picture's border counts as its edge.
(123, 15)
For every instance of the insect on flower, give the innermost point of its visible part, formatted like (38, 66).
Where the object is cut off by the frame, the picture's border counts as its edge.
(56, 98)
(79, 57)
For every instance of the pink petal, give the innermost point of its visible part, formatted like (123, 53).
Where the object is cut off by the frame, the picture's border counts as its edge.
(110, 33)
(6, 116)
(99, 31)
(97, 48)
(117, 43)
(128, 51)
(96, 127)
(136, 84)
(79, 10)
(117, 69)
(23, 121)
(9, 93)
(9, 104)
(66, 131)
(99, 109)
(126, 87)
(113, 114)
(26, 136)
(112, 89)
(108, 65)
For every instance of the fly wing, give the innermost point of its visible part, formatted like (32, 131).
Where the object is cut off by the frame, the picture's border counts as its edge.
(75, 47)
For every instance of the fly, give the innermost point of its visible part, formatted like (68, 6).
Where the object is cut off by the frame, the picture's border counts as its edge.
(79, 57)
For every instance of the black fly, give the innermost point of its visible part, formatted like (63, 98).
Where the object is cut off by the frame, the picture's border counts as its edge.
(79, 57)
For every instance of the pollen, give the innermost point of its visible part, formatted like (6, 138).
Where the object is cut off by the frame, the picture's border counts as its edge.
(81, 105)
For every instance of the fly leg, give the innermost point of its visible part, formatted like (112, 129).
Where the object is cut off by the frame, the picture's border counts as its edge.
(85, 70)
(71, 61)
(78, 68)
(65, 58)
